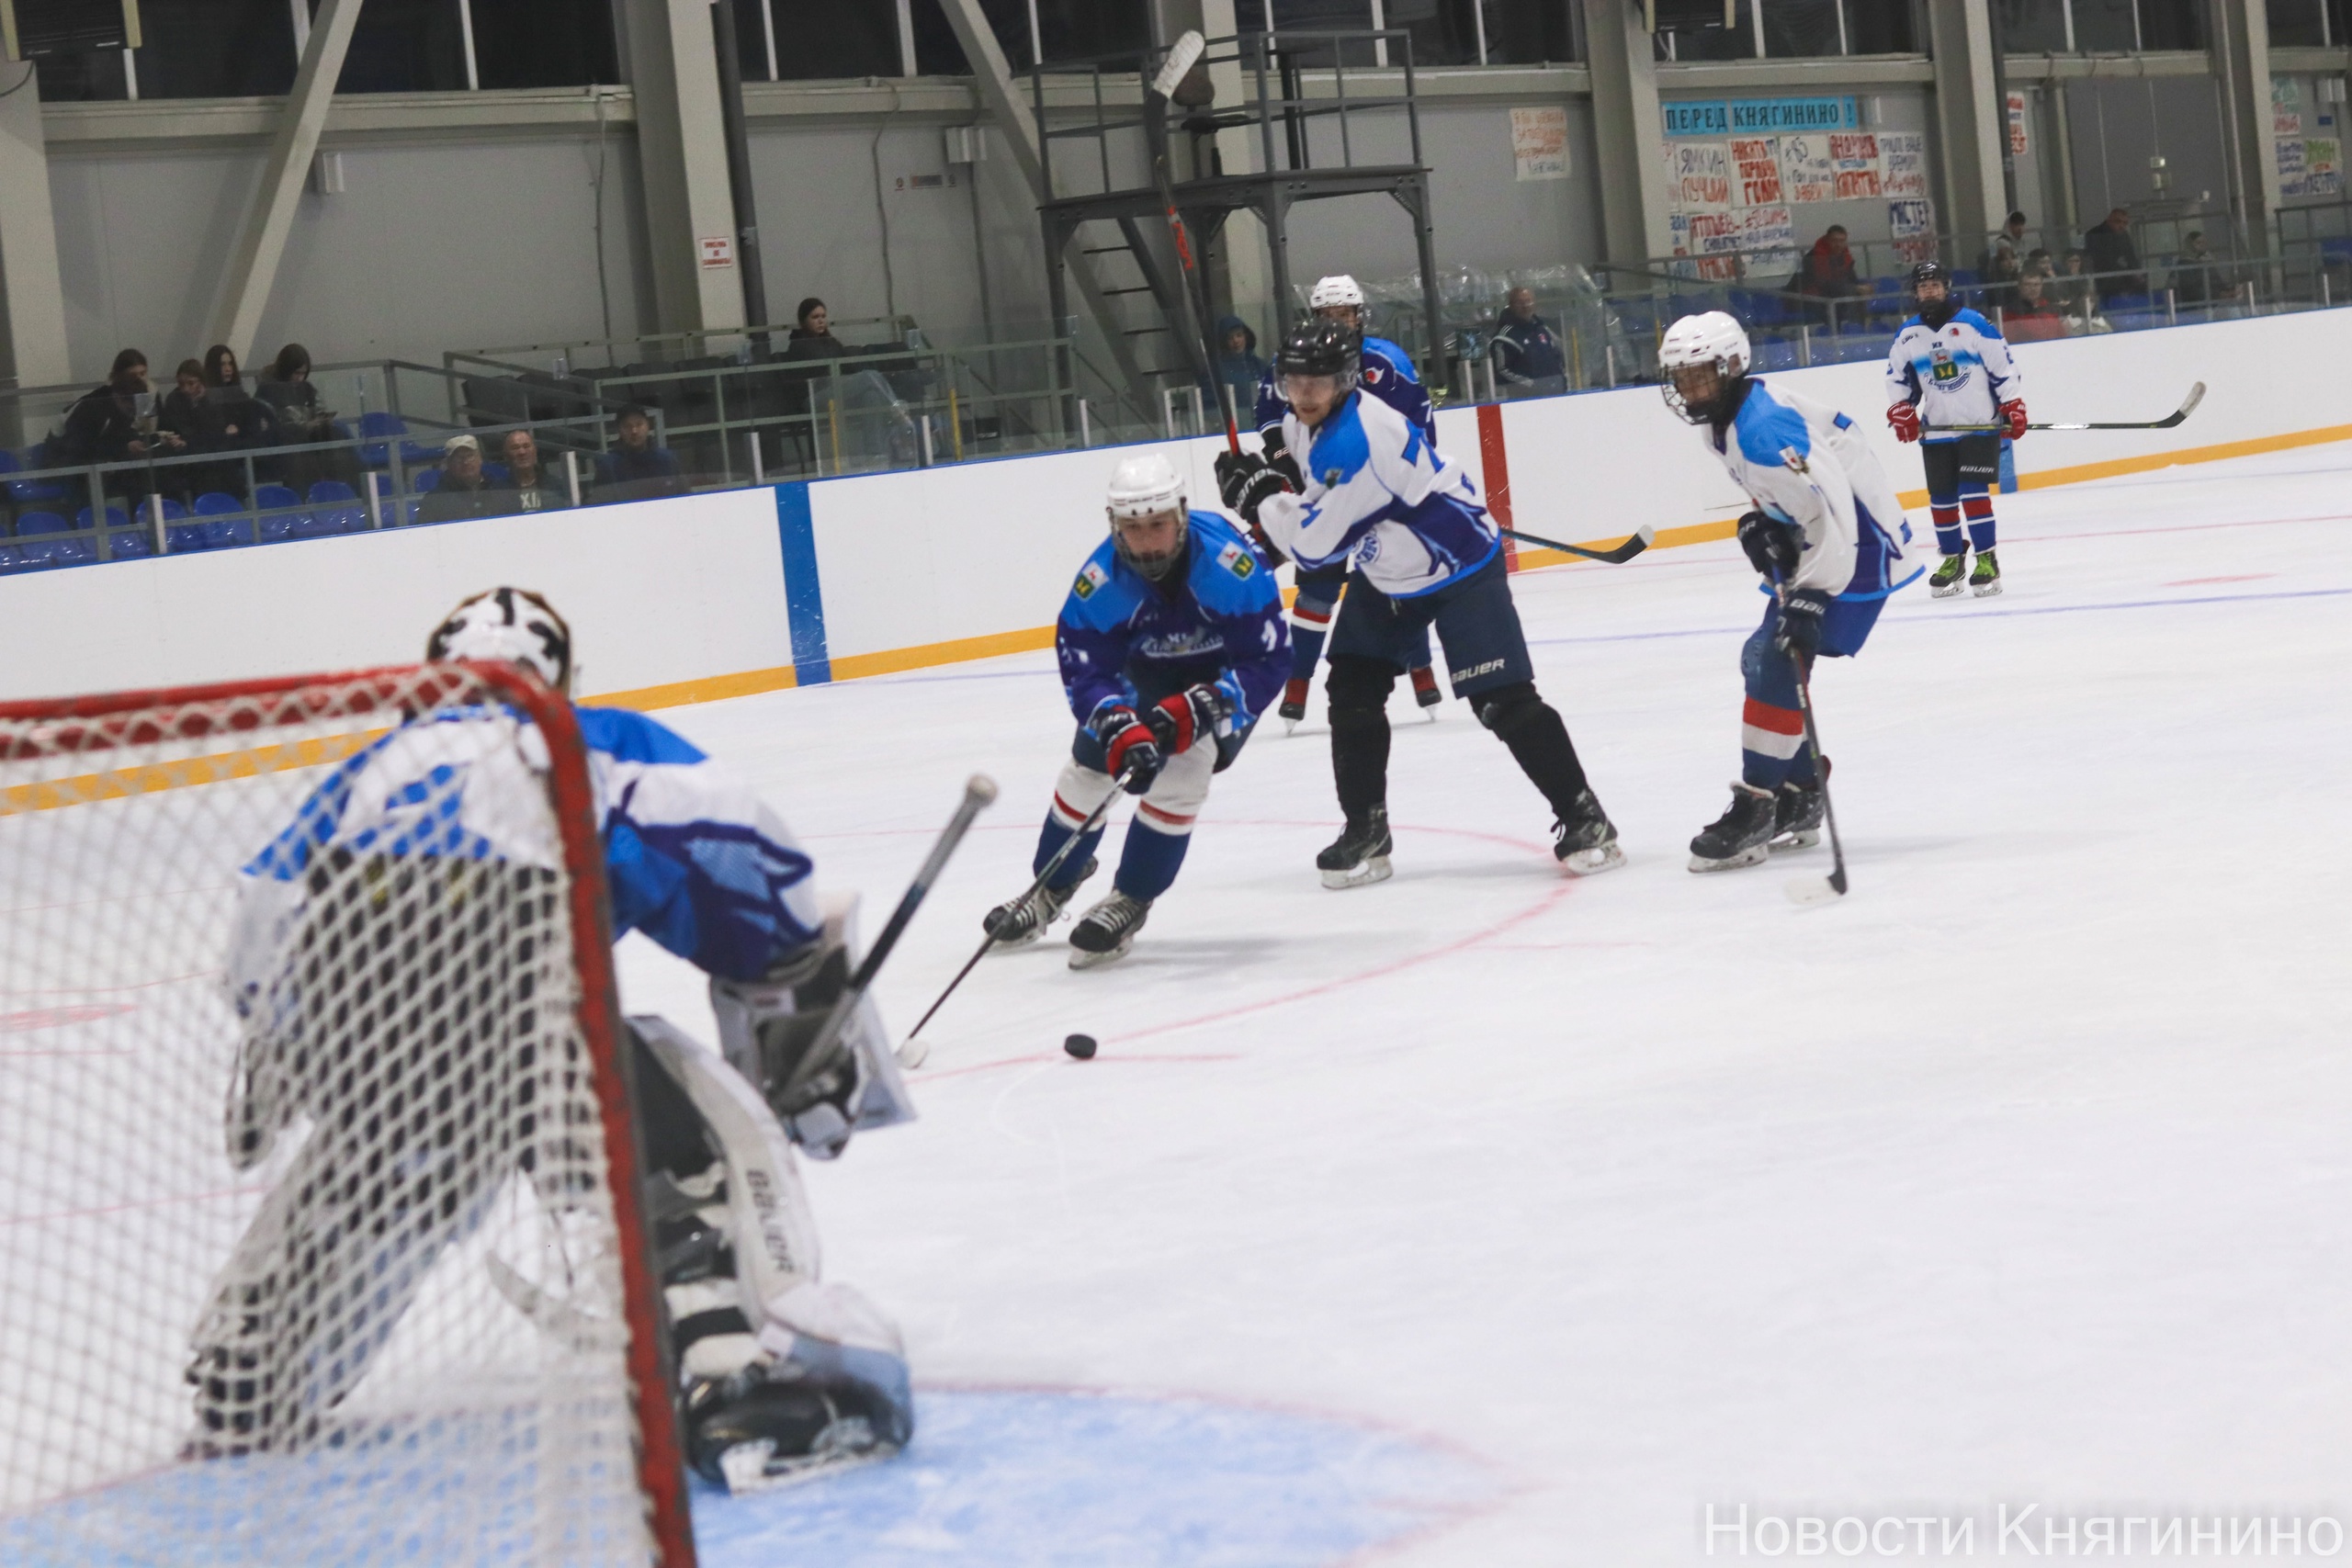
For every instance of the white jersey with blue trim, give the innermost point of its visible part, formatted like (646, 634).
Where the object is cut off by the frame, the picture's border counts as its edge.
(1381, 499)
(1959, 372)
(693, 857)
(1806, 464)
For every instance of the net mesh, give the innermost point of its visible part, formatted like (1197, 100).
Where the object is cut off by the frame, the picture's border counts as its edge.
(305, 1224)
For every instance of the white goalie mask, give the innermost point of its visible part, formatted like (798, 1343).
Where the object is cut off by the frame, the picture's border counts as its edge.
(512, 626)
(1701, 362)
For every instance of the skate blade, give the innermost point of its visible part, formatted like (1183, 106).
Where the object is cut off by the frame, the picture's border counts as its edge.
(1079, 958)
(1007, 943)
(1811, 892)
(1755, 856)
(1802, 838)
(1947, 592)
(1377, 869)
(1988, 590)
(1593, 862)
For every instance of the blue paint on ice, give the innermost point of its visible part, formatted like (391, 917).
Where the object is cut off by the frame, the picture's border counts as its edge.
(1059, 1480)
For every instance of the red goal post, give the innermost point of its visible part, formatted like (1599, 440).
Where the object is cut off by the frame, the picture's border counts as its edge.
(414, 1288)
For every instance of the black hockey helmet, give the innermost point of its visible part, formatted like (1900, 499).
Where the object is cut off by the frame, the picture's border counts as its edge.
(1935, 313)
(1319, 347)
(1929, 272)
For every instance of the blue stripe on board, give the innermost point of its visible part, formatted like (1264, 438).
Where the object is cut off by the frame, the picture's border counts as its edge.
(1973, 616)
(804, 596)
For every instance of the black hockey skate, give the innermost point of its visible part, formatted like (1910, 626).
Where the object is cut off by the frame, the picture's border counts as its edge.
(1987, 579)
(1292, 711)
(1740, 835)
(1796, 816)
(1425, 691)
(1586, 844)
(1946, 581)
(1017, 922)
(1107, 931)
(1360, 854)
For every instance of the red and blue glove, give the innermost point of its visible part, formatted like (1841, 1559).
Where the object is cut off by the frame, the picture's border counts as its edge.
(1904, 417)
(1130, 747)
(1180, 720)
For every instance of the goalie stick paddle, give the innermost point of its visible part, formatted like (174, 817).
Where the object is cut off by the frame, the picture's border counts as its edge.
(980, 790)
(1616, 557)
(1181, 59)
(2188, 406)
(911, 1053)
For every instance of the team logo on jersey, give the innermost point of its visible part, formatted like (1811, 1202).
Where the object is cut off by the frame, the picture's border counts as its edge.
(1368, 550)
(1331, 478)
(1190, 643)
(1946, 371)
(1238, 560)
(1794, 460)
(1091, 579)
(1372, 376)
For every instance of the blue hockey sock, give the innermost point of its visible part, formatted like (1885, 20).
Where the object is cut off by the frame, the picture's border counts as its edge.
(1946, 516)
(1149, 863)
(1049, 842)
(1980, 521)
(1772, 744)
(1310, 622)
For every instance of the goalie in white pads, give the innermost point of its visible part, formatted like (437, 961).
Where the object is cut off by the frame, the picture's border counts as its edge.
(375, 969)
(1831, 542)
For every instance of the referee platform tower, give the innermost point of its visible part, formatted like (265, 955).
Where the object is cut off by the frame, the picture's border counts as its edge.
(1326, 114)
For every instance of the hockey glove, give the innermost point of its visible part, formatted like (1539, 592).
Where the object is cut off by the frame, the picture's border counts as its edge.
(1771, 547)
(1245, 480)
(1801, 616)
(1905, 418)
(1129, 747)
(2013, 413)
(1188, 716)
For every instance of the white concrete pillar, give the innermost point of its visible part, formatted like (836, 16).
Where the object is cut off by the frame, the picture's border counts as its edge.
(681, 151)
(1628, 134)
(32, 294)
(1971, 121)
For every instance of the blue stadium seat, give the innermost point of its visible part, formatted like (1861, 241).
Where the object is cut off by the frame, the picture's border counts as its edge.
(22, 490)
(426, 480)
(115, 518)
(130, 543)
(350, 518)
(42, 522)
(496, 474)
(214, 504)
(281, 522)
(10, 561)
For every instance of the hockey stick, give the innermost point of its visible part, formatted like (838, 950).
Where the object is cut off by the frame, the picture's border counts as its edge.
(1808, 890)
(978, 791)
(1618, 556)
(1181, 59)
(911, 1057)
(2188, 406)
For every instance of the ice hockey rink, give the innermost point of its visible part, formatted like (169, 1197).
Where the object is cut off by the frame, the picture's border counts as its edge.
(1485, 1217)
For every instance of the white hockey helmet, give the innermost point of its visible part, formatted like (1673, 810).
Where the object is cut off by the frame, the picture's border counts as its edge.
(1337, 289)
(1146, 485)
(512, 625)
(1713, 340)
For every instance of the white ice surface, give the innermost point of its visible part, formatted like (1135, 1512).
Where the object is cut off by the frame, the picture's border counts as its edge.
(2022, 1175)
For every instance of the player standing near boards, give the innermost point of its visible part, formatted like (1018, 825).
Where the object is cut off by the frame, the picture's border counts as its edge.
(1425, 553)
(1948, 366)
(1171, 644)
(1830, 540)
(1387, 372)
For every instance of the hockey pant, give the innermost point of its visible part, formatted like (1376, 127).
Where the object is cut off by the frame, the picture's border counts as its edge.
(1163, 829)
(1487, 662)
(1961, 474)
(1310, 622)
(1772, 750)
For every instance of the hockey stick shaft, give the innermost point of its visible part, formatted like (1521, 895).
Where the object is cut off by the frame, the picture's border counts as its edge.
(1813, 743)
(2188, 406)
(1618, 556)
(1093, 820)
(1181, 59)
(979, 790)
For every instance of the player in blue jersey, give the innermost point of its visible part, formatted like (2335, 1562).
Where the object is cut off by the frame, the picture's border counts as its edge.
(1171, 644)
(1830, 539)
(1387, 372)
(1947, 366)
(1375, 494)
(429, 856)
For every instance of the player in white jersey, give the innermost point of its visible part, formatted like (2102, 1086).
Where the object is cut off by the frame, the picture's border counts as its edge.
(434, 842)
(1950, 366)
(1829, 539)
(1424, 553)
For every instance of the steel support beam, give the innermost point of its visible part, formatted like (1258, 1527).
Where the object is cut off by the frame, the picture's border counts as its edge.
(993, 77)
(32, 323)
(252, 267)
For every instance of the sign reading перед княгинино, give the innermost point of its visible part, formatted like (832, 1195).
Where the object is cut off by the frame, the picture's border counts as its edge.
(1759, 116)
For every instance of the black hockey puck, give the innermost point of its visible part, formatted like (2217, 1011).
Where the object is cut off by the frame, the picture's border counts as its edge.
(1079, 1046)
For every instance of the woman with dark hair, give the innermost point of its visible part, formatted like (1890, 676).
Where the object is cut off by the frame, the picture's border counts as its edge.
(814, 338)
(203, 423)
(115, 422)
(293, 402)
(220, 372)
(244, 422)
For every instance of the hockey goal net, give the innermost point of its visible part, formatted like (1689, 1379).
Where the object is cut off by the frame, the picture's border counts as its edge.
(319, 1229)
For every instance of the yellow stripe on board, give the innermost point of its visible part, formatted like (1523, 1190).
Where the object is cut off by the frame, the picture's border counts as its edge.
(117, 784)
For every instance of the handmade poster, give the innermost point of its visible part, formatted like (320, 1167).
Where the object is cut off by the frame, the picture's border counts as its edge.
(2294, 166)
(1903, 163)
(1807, 172)
(1769, 239)
(2285, 105)
(1539, 143)
(1912, 226)
(1855, 154)
(1715, 239)
(2324, 159)
(2017, 126)
(1756, 170)
(1699, 175)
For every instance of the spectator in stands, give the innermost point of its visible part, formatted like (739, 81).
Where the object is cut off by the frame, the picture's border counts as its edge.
(2033, 316)
(2196, 279)
(460, 495)
(115, 422)
(2111, 258)
(245, 423)
(1527, 359)
(530, 486)
(1238, 364)
(2003, 261)
(293, 404)
(814, 338)
(636, 460)
(1828, 273)
(203, 426)
(2072, 293)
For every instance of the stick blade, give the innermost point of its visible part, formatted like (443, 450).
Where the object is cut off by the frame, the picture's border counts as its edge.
(1180, 59)
(2188, 404)
(914, 1053)
(1812, 892)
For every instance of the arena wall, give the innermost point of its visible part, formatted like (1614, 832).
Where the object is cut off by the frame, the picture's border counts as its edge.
(725, 594)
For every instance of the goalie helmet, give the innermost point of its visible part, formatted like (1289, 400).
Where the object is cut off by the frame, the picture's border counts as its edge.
(1714, 339)
(512, 625)
(1146, 485)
